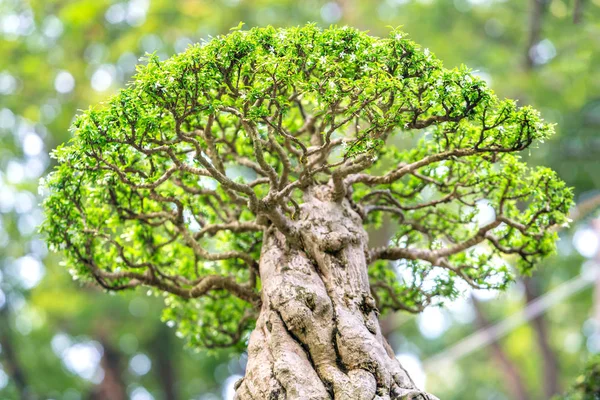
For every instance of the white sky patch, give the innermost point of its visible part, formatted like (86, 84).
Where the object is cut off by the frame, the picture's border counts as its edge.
(485, 294)
(127, 62)
(24, 202)
(49, 111)
(228, 390)
(235, 172)
(190, 221)
(397, 2)
(151, 43)
(17, 302)
(331, 12)
(337, 154)
(38, 247)
(60, 342)
(586, 242)
(95, 53)
(3, 379)
(7, 119)
(136, 12)
(116, 13)
(483, 75)
(428, 193)
(2, 299)
(29, 271)
(462, 310)
(9, 24)
(441, 170)
(23, 325)
(64, 82)
(542, 52)
(83, 359)
(28, 223)
(8, 83)
(133, 12)
(103, 77)
(52, 27)
(433, 322)
(589, 270)
(17, 24)
(140, 364)
(24, 127)
(182, 43)
(430, 280)
(32, 144)
(140, 393)
(15, 172)
(485, 213)
(593, 343)
(7, 198)
(35, 166)
(413, 366)
(208, 183)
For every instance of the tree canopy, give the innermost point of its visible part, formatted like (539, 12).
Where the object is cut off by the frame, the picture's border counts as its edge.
(170, 183)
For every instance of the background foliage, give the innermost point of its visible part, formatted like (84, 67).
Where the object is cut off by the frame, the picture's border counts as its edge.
(587, 385)
(59, 340)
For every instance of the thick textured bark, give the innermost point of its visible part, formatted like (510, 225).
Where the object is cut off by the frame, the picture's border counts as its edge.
(318, 336)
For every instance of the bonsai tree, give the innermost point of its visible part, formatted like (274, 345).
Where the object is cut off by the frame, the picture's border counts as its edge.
(240, 177)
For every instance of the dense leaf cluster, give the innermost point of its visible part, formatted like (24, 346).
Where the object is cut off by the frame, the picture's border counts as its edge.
(171, 182)
(587, 385)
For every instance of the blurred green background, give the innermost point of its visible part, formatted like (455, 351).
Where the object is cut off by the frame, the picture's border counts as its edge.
(60, 340)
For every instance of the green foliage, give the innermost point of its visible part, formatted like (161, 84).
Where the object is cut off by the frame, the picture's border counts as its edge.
(587, 385)
(144, 195)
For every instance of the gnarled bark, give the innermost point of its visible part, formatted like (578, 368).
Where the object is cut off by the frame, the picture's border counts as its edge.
(318, 336)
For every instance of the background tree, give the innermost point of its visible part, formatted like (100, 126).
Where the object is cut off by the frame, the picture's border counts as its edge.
(259, 156)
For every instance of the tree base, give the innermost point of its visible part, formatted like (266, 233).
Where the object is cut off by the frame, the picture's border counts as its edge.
(318, 336)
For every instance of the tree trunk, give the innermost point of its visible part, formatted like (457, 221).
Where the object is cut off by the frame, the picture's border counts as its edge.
(578, 11)
(318, 336)
(536, 17)
(514, 382)
(12, 365)
(165, 367)
(112, 386)
(550, 362)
